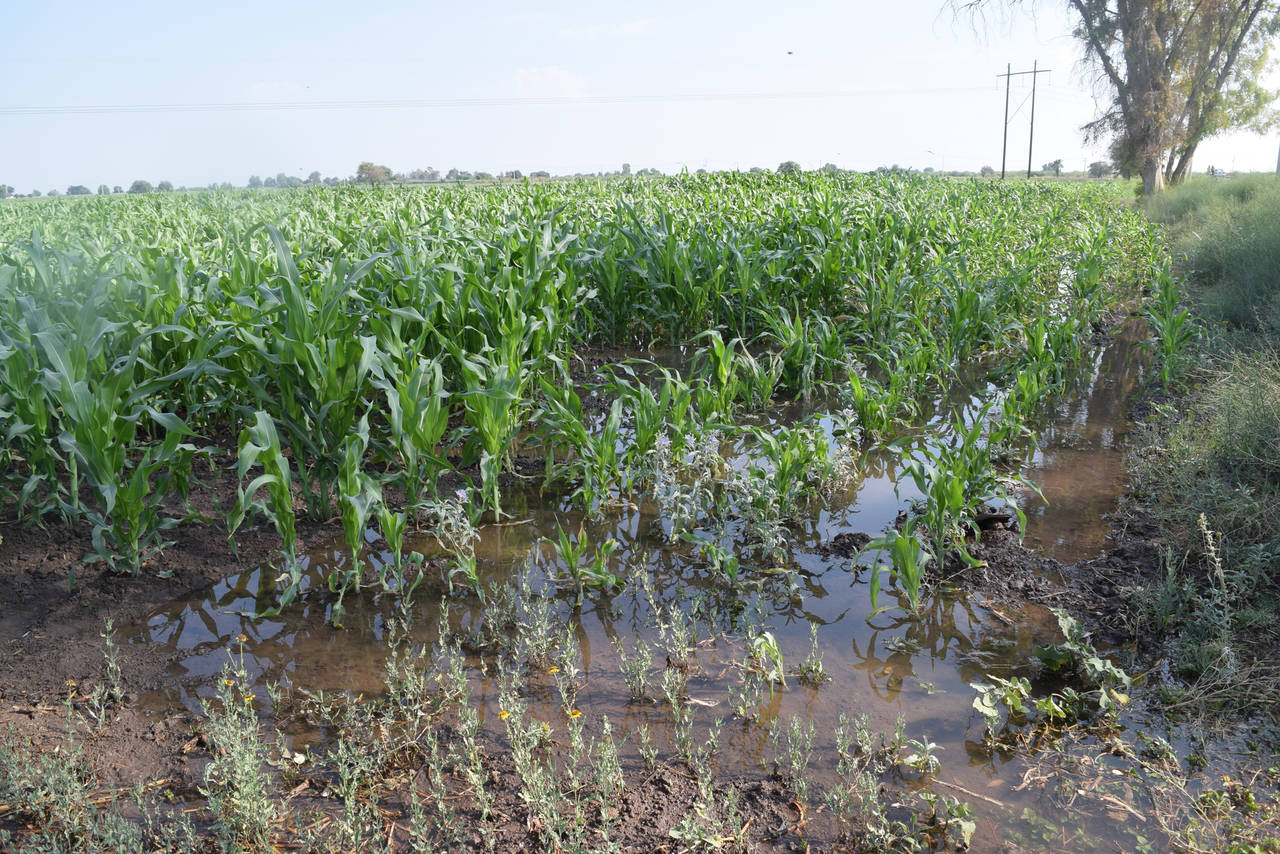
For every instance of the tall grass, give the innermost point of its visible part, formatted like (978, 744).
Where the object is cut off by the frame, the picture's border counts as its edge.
(1228, 235)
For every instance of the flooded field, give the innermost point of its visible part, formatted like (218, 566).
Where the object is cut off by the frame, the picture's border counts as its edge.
(887, 665)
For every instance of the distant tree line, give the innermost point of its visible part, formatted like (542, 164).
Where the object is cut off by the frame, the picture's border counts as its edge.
(369, 172)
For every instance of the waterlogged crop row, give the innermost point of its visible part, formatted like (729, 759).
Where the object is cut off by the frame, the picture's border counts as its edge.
(356, 339)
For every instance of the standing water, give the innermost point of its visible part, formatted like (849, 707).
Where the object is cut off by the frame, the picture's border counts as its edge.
(886, 665)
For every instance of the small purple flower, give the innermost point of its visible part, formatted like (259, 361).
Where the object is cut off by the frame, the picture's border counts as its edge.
(461, 495)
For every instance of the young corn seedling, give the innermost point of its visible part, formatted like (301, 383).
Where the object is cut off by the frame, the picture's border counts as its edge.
(359, 496)
(589, 460)
(907, 563)
(572, 550)
(260, 445)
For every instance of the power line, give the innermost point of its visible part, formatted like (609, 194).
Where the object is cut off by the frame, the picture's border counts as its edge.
(430, 103)
(1008, 76)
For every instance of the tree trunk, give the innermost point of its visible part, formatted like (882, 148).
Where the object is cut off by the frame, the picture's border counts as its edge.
(1152, 176)
(1183, 169)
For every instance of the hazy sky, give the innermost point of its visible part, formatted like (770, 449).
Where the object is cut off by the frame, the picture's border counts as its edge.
(860, 84)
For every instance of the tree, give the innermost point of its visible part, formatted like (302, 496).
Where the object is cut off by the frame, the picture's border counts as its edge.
(53, 193)
(268, 181)
(5, 191)
(35, 194)
(987, 171)
(626, 168)
(140, 186)
(369, 172)
(789, 167)
(1176, 72)
(829, 168)
(78, 190)
(104, 190)
(164, 187)
(483, 176)
(313, 179)
(1054, 166)
(1099, 169)
(541, 173)
(255, 181)
(117, 189)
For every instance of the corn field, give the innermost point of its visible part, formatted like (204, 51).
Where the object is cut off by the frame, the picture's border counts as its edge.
(350, 345)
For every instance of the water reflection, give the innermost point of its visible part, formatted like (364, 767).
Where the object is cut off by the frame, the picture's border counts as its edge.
(884, 664)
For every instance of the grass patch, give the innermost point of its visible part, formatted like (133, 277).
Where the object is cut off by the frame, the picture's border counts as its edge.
(1227, 235)
(1208, 465)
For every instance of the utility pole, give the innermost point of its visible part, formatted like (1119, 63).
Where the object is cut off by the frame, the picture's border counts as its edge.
(1031, 137)
(1004, 150)
(1008, 76)
(1278, 162)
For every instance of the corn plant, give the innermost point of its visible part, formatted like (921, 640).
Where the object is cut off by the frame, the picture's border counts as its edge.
(1172, 324)
(907, 563)
(493, 395)
(306, 362)
(589, 460)
(101, 408)
(260, 446)
(417, 413)
(359, 495)
(571, 551)
(954, 481)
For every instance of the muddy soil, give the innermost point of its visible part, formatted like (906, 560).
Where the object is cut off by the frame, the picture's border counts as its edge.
(54, 651)
(53, 608)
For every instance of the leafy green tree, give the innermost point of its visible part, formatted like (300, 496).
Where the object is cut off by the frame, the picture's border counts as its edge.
(104, 190)
(140, 186)
(1099, 169)
(117, 189)
(987, 171)
(371, 173)
(255, 181)
(789, 167)
(164, 187)
(1178, 71)
(1054, 166)
(829, 168)
(5, 191)
(78, 190)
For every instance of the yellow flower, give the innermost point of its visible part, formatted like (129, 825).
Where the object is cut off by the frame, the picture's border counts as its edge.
(71, 683)
(242, 638)
(574, 713)
(503, 714)
(553, 669)
(228, 682)
(546, 728)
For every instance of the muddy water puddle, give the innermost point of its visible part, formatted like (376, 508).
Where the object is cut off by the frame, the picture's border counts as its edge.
(885, 665)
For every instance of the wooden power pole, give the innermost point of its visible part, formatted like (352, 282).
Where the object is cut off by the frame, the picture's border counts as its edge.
(1008, 76)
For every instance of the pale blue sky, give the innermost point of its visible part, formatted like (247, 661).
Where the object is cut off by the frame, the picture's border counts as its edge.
(924, 84)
